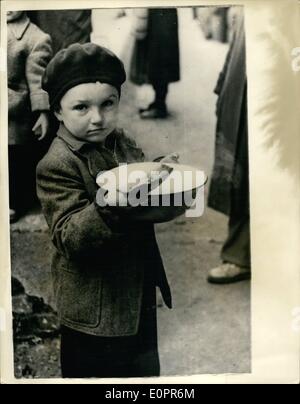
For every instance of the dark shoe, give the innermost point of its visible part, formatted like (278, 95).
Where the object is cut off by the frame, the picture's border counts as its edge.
(149, 108)
(155, 113)
(228, 273)
(13, 216)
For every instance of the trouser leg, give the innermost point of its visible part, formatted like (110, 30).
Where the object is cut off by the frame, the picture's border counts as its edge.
(22, 166)
(237, 249)
(161, 92)
(85, 356)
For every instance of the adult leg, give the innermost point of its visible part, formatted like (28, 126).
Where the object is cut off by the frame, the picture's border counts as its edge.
(236, 249)
(158, 109)
(236, 254)
(161, 92)
(30, 160)
(17, 181)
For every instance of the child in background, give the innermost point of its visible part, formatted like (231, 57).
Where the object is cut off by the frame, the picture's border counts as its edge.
(106, 265)
(28, 53)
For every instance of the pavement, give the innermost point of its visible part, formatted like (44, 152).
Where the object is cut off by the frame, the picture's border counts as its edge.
(209, 329)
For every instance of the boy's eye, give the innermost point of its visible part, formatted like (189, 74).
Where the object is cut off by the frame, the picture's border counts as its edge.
(108, 103)
(80, 107)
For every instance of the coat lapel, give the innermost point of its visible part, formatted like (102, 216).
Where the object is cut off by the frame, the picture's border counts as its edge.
(119, 149)
(99, 161)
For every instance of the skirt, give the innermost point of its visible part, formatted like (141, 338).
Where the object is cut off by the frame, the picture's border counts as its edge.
(156, 59)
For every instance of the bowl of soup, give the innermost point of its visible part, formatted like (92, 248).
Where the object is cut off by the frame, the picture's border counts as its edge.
(151, 192)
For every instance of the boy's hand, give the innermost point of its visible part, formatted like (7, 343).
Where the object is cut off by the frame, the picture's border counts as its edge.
(117, 199)
(41, 127)
(171, 158)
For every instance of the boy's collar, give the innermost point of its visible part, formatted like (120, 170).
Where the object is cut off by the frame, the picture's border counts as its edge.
(20, 26)
(75, 144)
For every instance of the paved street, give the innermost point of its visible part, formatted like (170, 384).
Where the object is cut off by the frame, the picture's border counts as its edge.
(208, 331)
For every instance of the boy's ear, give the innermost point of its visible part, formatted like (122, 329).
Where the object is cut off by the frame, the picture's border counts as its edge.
(57, 114)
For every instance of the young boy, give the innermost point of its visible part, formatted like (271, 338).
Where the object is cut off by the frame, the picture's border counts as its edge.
(105, 267)
(28, 53)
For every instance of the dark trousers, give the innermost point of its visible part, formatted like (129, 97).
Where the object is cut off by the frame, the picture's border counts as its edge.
(23, 160)
(86, 356)
(22, 165)
(236, 249)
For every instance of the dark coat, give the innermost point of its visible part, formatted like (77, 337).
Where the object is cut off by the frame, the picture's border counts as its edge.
(65, 27)
(229, 186)
(156, 58)
(28, 53)
(100, 260)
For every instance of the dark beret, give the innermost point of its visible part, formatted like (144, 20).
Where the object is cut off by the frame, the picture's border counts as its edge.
(81, 64)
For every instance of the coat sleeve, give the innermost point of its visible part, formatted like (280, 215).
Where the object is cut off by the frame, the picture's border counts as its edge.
(37, 61)
(223, 74)
(140, 27)
(78, 227)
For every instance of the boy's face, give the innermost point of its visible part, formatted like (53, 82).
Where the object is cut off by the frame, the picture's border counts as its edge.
(13, 15)
(90, 111)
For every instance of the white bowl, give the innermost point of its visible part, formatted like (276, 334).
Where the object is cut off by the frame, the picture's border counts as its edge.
(167, 201)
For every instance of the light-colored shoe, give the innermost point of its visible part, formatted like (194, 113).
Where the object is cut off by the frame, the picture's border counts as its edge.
(228, 273)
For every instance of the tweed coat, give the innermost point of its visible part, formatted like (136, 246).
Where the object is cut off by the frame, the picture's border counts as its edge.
(28, 53)
(100, 258)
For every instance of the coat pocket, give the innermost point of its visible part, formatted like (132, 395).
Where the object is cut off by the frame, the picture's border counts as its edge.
(80, 299)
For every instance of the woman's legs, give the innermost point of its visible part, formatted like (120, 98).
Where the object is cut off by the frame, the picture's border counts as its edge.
(161, 92)
(158, 109)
